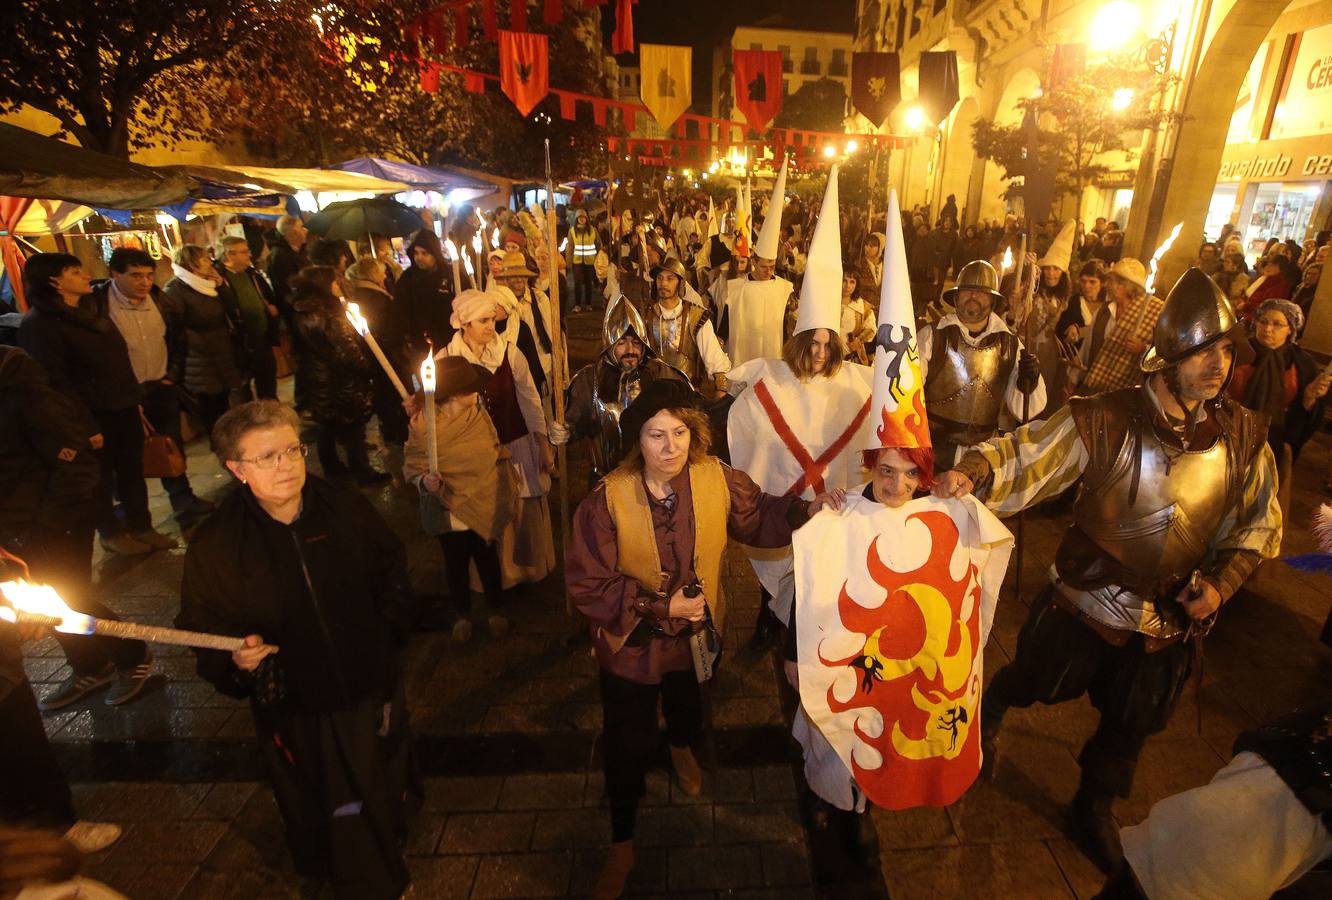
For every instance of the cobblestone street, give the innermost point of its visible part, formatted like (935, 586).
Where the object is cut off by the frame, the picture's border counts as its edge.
(508, 732)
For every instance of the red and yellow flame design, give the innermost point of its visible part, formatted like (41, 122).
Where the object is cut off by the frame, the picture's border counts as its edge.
(906, 425)
(917, 669)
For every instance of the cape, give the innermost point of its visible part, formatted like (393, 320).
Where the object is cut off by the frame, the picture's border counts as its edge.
(796, 438)
(893, 609)
(757, 315)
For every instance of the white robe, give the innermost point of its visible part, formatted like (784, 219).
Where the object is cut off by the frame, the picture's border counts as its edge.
(756, 314)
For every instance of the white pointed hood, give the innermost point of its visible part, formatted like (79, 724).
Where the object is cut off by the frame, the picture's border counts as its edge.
(713, 230)
(821, 291)
(897, 410)
(1061, 250)
(770, 235)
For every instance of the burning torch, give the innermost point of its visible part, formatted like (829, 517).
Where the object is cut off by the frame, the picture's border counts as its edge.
(428, 385)
(363, 329)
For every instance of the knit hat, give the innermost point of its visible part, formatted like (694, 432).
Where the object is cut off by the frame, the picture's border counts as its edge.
(430, 242)
(770, 233)
(663, 393)
(471, 305)
(1131, 270)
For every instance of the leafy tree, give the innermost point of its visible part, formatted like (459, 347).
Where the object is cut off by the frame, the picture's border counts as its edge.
(818, 106)
(1082, 122)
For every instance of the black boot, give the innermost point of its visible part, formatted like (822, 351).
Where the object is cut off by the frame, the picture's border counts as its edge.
(1095, 829)
(767, 631)
(860, 838)
(989, 741)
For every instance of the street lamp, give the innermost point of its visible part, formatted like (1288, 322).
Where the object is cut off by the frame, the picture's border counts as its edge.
(1114, 25)
(915, 118)
(1122, 99)
(852, 146)
(829, 151)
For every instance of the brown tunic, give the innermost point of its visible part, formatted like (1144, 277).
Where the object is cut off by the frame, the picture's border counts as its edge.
(615, 603)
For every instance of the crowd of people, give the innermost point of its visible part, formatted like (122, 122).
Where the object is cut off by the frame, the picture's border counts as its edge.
(1065, 355)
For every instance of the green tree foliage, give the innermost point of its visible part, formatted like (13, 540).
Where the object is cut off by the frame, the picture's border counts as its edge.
(1079, 128)
(818, 106)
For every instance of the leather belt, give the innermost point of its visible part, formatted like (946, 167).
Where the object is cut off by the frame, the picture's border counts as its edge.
(1116, 637)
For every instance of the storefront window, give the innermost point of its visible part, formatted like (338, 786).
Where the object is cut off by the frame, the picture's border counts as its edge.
(1220, 209)
(1279, 211)
(1120, 201)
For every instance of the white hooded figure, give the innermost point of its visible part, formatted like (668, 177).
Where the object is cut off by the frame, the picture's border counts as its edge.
(755, 310)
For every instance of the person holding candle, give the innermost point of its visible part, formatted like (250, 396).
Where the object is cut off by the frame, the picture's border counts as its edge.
(369, 291)
(527, 546)
(316, 582)
(424, 293)
(654, 528)
(337, 375)
(469, 492)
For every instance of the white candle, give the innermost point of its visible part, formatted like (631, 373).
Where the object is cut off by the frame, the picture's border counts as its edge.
(428, 385)
(363, 329)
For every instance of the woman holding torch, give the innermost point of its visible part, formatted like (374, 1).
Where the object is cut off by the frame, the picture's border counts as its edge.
(290, 561)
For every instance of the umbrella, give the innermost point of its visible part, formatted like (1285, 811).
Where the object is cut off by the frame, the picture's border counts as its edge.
(349, 220)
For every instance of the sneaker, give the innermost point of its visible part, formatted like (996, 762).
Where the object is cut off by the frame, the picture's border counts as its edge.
(91, 837)
(76, 687)
(155, 539)
(498, 625)
(130, 682)
(124, 545)
(462, 631)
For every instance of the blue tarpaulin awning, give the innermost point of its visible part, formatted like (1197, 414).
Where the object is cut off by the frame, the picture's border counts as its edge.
(422, 178)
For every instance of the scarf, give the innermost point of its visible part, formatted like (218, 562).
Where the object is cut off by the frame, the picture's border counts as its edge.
(479, 489)
(203, 285)
(1266, 390)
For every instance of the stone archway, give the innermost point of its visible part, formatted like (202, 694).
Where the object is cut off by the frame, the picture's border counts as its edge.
(959, 156)
(1206, 121)
(1021, 84)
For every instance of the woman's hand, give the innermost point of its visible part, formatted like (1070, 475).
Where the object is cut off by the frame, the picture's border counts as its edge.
(833, 499)
(432, 482)
(1317, 390)
(247, 658)
(953, 484)
(414, 404)
(691, 608)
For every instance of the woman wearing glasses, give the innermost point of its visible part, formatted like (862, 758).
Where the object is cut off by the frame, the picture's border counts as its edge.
(316, 582)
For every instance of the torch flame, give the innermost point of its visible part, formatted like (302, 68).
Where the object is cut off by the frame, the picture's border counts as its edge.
(1160, 252)
(357, 320)
(494, 238)
(1008, 260)
(42, 600)
(450, 248)
(476, 242)
(428, 373)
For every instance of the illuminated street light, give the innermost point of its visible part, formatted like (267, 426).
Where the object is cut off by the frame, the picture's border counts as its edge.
(1114, 26)
(688, 173)
(829, 150)
(1122, 99)
(852, 146)
(915, 118)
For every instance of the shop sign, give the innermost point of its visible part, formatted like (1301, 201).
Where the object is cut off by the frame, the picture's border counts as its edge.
(1306, 107)
(1258, 168)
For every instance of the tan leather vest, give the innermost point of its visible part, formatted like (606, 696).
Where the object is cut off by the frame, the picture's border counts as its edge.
(661, 331)
(636, 539)
(965, 385)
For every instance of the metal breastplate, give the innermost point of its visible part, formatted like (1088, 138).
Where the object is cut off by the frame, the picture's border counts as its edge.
(608, 403)
(1154, 513)
(965, 385)
(682, 328)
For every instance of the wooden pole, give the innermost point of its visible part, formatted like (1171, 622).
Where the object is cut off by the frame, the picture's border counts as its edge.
(557, 352)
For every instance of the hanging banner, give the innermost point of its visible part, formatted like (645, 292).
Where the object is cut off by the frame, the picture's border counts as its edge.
(524, 68)
(893, 610)
(938, 84)
(622, 41)
(667, 81)
(876, 85)
(758, 86)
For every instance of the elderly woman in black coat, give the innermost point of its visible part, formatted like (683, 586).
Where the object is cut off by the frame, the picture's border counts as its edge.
(337, 374)
(213, 364)
(316, 583)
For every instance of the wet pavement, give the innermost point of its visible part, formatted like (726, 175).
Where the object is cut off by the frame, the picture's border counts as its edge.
(509, 738)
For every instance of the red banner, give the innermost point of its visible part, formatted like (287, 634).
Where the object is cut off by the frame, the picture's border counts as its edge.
(758, 86)
(518, 15)
(524, 68)
(622, 41)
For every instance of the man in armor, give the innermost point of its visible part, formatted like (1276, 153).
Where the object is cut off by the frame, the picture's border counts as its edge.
(601, 390)
(974, 367)
(1177, 505)
(679, 329)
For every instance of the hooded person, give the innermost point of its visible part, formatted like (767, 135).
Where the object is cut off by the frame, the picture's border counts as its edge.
(881, 538)
(975, 367)
(643, 565)
(527, 545)
(679, 328)
(1176, 506)
(755, 310)
(1049, 300)
(422, 295)
(798, 421)
(601, 391)
(469, 492)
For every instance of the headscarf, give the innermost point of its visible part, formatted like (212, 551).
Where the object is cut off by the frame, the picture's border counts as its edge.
(1265, 391)
(471, 305)
(1294, 315)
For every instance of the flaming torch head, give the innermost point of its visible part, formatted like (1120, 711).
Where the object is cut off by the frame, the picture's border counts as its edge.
(494, 238)
(1160, 252)
(428, 373)
(357, 320)
(42, 600)
(476, 241)
(450, 249)
(1007, 261)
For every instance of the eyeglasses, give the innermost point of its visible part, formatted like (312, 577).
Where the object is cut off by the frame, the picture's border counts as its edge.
(270, 460)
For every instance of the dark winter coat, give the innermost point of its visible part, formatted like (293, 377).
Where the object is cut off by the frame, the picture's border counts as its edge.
(176, 339)
(330, 590)
(334, 370)
(283, 264)
(84, 355)
(214, 363)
